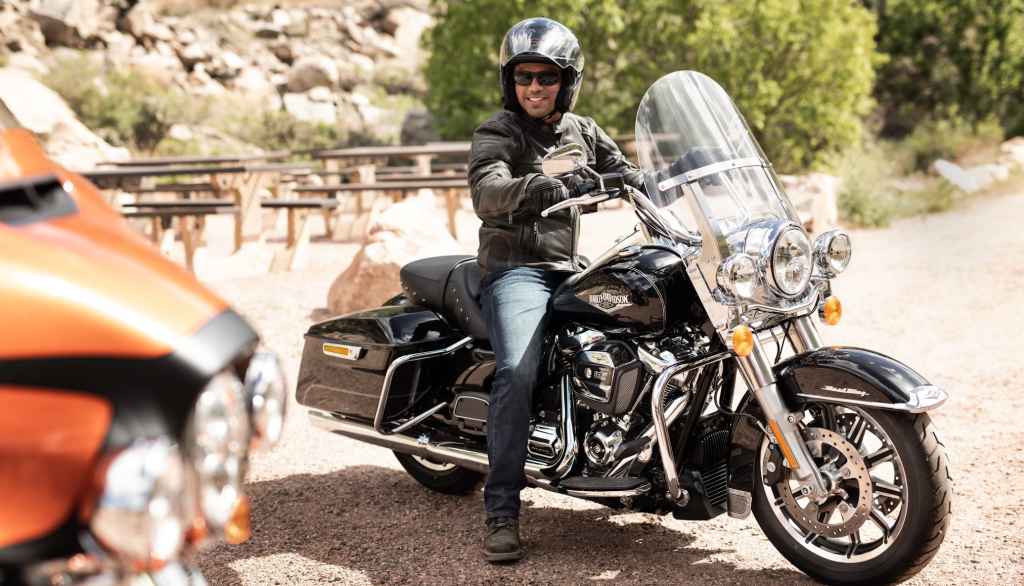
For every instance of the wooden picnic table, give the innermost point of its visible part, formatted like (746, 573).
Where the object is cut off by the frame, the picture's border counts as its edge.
(241, 182)
(198, 160)
(450, 185)
(190, 223)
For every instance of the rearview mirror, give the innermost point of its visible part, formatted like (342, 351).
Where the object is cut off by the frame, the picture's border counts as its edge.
(565, 159)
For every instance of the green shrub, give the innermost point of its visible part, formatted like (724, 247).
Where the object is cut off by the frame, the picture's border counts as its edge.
(950, 139)
(279, 130)
(125, 107)
(963, 57)
(800, 70)
(865, 196)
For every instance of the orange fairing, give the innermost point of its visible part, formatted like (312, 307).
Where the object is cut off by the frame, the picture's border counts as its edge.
(86, 284)
(49, 442)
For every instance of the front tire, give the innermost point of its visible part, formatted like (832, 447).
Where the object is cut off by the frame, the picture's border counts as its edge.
(440, 477)
(903, 516)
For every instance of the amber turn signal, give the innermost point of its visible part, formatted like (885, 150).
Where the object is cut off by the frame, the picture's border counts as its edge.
(832, 311)
(742, 341)
(238, 528)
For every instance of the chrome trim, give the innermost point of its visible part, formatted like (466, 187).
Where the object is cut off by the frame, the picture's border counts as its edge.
(539, 473)
(661, 426)
(922, 398)
(654, 364)
(739, 503)
(819, 252)
(803, 335)
(642, 489)
(570, 449)
(419, 418)
(378, 419)
(711, 169)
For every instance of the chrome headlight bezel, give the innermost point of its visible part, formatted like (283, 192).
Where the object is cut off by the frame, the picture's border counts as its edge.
(832, 252)
(791, 242)
(143, 506)
(266, 393)
(217, 444)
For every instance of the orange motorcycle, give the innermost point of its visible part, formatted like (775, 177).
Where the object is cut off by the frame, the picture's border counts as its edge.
(130, 395)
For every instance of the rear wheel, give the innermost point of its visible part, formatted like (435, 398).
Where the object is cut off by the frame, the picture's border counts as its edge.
(889, 504)
(440, 476)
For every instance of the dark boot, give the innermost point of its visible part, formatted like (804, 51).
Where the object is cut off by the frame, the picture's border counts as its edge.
(502, 541)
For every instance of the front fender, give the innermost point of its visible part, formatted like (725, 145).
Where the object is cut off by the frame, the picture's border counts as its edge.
(850, 376)
(854, 376)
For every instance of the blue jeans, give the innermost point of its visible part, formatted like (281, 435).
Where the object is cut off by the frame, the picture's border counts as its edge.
(515, 304)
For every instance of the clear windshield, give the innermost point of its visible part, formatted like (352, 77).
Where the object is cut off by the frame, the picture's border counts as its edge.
(692, 140)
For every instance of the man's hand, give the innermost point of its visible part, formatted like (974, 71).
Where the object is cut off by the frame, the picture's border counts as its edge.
(544, 192)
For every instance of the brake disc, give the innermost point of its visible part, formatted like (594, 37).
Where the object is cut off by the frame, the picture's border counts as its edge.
(846, 476)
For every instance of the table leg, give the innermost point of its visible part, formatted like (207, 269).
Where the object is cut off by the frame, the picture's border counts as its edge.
(186, 225)
(451, 197)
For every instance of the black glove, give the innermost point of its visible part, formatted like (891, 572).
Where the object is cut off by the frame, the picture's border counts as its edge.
(578, 185)
(544, 192)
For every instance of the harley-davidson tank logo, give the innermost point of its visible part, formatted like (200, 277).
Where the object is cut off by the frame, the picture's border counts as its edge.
(610, 300)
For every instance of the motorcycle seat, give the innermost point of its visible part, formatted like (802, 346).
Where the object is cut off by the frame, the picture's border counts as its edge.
(449, 285)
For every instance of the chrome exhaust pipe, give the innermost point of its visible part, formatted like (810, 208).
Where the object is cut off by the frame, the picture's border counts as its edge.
(540, 473)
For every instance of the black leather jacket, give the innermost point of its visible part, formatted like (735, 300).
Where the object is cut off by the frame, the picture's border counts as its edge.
(506, 155)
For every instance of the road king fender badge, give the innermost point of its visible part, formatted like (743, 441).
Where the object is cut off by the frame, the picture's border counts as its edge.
(343, 351)
(844, 391)
(609, 300)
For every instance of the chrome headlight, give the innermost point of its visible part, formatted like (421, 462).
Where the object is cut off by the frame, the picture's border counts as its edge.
(791, 261)
(267, 393)
(218, 445)
(142, 511)
(738, 276)
(832, 252)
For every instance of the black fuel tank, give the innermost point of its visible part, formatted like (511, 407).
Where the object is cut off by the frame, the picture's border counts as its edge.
(629, 293)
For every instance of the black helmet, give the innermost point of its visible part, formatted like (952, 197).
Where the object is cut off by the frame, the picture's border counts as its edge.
(541, 40)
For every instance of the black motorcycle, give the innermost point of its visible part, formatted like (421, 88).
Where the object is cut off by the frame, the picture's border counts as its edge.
(830, 447)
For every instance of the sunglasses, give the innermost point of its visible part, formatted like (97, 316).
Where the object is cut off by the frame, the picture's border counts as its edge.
(545, 78)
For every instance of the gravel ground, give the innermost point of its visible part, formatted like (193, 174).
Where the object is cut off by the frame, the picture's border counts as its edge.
(942, 293)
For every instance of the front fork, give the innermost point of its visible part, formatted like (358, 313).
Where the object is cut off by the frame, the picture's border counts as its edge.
(756, 369)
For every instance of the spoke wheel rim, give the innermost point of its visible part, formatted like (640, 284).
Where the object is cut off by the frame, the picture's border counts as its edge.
(889, 499)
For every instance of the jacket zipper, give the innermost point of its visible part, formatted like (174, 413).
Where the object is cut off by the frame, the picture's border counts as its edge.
(575, 229)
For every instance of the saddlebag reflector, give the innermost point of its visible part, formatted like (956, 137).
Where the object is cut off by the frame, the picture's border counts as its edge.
(345, 359)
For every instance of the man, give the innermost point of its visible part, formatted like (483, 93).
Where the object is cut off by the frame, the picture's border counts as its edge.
(523, 256)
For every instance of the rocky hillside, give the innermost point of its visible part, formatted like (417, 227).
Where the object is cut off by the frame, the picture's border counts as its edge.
(351, 66)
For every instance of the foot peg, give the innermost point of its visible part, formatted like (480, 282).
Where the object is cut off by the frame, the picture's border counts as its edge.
(593, 486)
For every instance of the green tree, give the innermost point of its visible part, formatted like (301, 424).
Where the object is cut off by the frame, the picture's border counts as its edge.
(950, 58)
(800, 70)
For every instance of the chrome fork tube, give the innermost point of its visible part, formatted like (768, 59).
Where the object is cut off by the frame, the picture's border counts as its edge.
(757, 372)
(803, 335)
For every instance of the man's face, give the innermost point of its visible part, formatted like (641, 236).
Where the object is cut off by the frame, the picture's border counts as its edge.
(536, 99)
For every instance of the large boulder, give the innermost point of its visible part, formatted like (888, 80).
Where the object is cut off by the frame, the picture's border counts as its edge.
(73, 23)
(971, 179)
(312, 107)
(396, 235)
(41, 110)
(1012, 152)
(407, 26)
(311, 71)
(19, 32)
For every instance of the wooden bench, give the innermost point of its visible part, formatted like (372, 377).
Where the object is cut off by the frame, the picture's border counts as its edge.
(189, 216)
(451, 187)
(294, 254)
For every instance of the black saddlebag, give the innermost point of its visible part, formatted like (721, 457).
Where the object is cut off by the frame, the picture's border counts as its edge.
(346, 358)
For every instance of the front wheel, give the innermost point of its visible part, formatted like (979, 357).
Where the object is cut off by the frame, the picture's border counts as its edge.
(440, 476)
(889, 500)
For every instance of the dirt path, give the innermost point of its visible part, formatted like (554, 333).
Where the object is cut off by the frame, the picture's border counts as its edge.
(942, 293)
